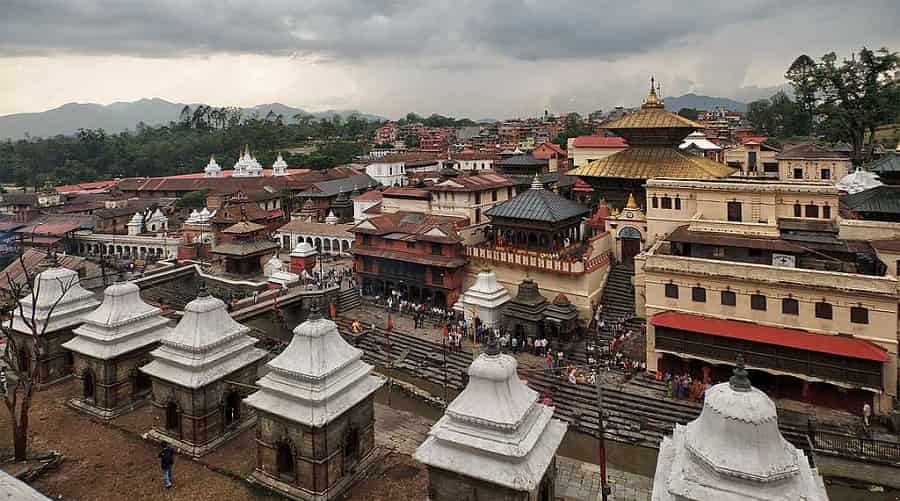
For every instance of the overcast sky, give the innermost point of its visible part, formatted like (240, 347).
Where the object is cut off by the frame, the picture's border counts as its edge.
(475, 58)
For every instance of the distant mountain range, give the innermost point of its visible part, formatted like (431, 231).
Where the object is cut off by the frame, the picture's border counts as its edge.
(117, 117)
(699, 102)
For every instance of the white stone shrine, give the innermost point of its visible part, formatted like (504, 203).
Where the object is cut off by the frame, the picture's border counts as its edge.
(495, 440)
(485, 299)
(734, 452)
(57, 305)
(201, 373)
(317, 389)
(279, 168)
(212, 169)
(114, 340)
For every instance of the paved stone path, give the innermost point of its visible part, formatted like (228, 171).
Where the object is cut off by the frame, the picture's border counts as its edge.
(575, 480)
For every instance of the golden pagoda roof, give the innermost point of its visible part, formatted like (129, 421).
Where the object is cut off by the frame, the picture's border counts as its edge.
(652, 118)
(653, 161)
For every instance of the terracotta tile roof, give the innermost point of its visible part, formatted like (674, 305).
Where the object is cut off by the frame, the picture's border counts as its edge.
(599, 142)
(310, 228)
(32, 258)
(414, 226)
(371, 195)
(653, 161)
(405, 192)
(473, 183)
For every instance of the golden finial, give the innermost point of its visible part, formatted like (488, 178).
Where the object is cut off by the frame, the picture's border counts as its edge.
(652, 100)
(631, 204)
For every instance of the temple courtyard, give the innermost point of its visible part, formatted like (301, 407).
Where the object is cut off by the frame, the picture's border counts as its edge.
(113, 461)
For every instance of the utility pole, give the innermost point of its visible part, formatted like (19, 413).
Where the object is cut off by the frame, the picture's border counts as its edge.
(604, 487)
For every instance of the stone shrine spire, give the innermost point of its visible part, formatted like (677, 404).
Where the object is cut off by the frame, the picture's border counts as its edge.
(494, 432)
(206, 345)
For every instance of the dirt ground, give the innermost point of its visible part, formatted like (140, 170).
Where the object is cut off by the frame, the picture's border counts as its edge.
(112, 462)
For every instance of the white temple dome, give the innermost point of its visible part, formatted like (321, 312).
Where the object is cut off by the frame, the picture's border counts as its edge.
(303, 249)
(331, 218)
(737, 434)
(857, 181)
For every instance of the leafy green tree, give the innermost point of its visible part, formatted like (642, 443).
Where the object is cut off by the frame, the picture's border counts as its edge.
(575, 127)
(852, 97)
(689, 113)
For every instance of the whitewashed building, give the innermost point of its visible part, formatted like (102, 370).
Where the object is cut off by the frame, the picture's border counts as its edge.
(733, 452)
(212, 169)
(388, 172)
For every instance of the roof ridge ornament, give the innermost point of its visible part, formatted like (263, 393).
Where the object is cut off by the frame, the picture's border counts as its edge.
(653, 100)
(739, 380)
(536, 183)
(202, 290)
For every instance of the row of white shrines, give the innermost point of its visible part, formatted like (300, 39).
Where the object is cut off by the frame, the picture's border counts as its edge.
(313, 407)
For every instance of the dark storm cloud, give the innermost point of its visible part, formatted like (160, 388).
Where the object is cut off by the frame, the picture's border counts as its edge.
(525, 30)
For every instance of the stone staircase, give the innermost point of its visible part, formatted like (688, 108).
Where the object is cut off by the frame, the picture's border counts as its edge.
(348, 300)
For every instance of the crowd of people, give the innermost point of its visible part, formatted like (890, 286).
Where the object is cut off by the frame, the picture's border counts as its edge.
(683, 386)
(324, 279)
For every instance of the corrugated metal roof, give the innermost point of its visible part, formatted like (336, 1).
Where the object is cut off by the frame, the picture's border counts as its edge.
(890, 162)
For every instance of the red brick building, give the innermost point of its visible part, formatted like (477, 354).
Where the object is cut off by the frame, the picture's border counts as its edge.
(418, 255)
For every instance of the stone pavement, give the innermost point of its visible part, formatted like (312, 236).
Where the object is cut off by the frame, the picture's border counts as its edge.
(576, 480)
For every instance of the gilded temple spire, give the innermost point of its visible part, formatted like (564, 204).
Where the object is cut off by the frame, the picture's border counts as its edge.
(653, 100)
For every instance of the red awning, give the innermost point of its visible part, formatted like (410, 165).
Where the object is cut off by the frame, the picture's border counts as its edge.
(791, 338)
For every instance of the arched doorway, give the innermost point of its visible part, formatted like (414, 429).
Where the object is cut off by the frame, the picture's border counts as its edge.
(232, 408)
(88, 386)
(284, 461)
(351, 449)
(172, 417)
(630, 239)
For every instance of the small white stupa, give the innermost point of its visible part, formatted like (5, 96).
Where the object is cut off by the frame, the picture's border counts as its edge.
(136, 224)
(331, 218)
(734, 452)
(157, 221)
(494, 432)
(272, 265)
(485, 299)
(279, 168)
(247, 165)
(212, 169)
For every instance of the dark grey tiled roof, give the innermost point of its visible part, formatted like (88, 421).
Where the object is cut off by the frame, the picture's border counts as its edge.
(890, 162)
(883, 199)
(522, 160)
(327, 189)
(538, 205)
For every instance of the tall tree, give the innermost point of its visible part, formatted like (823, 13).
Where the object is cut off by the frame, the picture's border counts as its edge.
(854, 96)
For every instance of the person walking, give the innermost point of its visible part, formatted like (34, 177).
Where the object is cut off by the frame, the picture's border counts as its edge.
(166, 460)
(867, 413)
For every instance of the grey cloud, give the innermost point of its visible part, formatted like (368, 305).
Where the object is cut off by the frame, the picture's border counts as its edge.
(354, 29)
